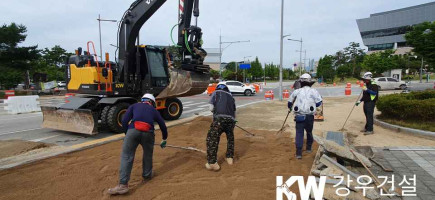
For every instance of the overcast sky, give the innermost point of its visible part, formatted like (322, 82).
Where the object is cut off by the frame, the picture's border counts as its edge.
(326, 26)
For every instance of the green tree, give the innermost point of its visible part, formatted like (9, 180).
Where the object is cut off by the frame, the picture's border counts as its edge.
(52, 63)
(256, 69)
(325, 69)
(14, 60)
(214, 74)
(354, 55)
(344, 71)
(380, 62)
(422, 38)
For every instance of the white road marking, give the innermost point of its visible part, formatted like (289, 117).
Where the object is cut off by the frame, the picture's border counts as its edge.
(187, 102)
(203, 106)
(190, 111)
(42, 139)
(194, 104)
(20, 131)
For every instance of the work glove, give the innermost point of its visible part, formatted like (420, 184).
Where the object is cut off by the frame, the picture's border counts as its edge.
(357, 103)
(364, 88)
(163, 144)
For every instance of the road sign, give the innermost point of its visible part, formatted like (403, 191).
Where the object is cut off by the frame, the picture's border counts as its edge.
(245, 66)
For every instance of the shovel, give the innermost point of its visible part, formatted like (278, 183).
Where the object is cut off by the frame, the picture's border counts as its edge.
(249, 134)
(184, 148)
(283, 125)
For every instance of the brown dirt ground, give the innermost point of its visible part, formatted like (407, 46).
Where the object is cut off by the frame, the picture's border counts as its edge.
(178, 174)
(336, 109)
(10, 148)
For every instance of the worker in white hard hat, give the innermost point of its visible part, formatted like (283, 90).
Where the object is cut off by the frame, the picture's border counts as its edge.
(370, 96)
(138, 122)
(303, 102)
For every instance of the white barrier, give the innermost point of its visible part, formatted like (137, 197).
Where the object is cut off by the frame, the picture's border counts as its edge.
(22, 104)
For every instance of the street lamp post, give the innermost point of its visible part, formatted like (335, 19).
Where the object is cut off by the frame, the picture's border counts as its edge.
(300, 55)
(426, 32)
(244, 61)
(222, 49)
(99, 28)
(305, 59)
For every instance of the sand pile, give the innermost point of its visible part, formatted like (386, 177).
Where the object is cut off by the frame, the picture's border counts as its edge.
(178, 174)
(10, 148)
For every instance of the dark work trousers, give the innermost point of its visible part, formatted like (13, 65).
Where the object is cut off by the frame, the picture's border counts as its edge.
(306, 125)
(132, 139)
(369, 109)
(220, 125)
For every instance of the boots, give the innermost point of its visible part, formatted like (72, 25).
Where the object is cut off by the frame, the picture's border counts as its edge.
(230, 161)
(368, 133)
(213, 167)
(119, 189)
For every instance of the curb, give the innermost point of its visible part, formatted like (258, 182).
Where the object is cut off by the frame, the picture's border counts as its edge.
(403, 129)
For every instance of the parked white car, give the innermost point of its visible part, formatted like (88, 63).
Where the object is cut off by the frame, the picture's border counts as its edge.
(61, 83)
(237, 87)
(388, 83)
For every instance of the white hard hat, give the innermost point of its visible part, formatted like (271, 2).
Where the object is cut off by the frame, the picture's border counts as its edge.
(368, 76)
(305, 77)
(150, 97)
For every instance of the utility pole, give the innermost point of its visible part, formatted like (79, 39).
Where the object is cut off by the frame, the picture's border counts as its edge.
(305, 59)
(222, 49)
(300, 55)
(421, 70)
(99, 28)
(281, 38)
(220, 55)
(244, 61)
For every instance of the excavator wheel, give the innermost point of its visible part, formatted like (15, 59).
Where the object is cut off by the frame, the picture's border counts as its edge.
(104, 115)
(173, 110)
(115, 115)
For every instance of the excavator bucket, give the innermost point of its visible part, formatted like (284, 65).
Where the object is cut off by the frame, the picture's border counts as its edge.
(185, 83)
(70, 117)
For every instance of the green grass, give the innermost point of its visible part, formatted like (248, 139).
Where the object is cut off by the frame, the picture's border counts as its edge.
(421, 125)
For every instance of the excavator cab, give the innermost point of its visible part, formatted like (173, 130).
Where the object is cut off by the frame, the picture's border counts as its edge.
(153, 68)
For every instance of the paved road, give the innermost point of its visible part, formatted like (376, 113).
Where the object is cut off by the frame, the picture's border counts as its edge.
(28, 126)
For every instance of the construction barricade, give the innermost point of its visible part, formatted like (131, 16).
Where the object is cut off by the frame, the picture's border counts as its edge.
(22, 104)
(211, 88)
(286, 94)
(9, 93)
(257, 87)
(348, 89)
(269, 95)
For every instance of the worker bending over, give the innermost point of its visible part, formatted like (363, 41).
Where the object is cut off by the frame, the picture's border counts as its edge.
(304, 102)
(138, 122)
(223, 106)
(370, 96)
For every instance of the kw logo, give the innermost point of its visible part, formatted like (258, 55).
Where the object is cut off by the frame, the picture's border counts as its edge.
(304, 190)
(119, 85)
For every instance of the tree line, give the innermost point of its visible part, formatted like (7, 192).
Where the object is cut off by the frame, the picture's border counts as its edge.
(256, 73)
(18, 63)
(353, 60)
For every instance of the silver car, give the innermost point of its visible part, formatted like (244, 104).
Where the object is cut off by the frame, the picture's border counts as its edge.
(388, 83)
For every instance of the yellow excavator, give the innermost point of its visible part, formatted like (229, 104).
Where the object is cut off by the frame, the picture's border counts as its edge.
(103, 90)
